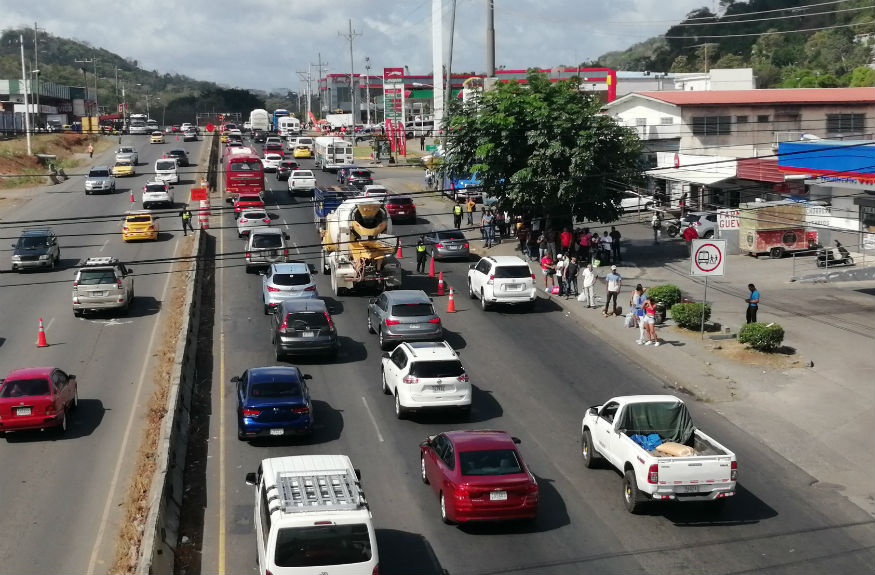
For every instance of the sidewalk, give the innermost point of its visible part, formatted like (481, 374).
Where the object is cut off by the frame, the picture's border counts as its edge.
(815, 406)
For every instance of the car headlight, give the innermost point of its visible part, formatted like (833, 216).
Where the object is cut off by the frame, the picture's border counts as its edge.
(44, 257)
(16, 258)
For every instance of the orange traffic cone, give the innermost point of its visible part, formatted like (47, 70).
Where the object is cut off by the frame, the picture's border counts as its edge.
(440, 283)
(177, 137)
(451, 303)
(41, 336)
(132, 195)
(398, 253)
(431, 267)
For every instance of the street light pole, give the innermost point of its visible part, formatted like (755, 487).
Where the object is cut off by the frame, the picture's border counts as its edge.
(368, 88)
(24, 78)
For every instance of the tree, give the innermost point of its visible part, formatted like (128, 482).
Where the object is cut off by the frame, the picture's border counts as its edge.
(543, 148)
(681, 64)
(862, 76)
(730, 61)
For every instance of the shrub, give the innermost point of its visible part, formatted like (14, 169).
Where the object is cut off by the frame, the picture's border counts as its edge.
(667, 295)
(689, 315)
(762, 336)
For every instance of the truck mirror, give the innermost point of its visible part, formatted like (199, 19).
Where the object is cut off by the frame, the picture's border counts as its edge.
(308, 376)
(471, 266)
(385, 354)
(235, 379)
(250, 478)
(358, 473)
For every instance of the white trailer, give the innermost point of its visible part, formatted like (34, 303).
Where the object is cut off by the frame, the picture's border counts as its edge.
(332, 152)
(289, 126)
(259, 120)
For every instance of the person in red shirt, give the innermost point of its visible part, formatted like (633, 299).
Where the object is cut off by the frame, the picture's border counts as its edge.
(690, 234)
(565, 239)
(549, 270)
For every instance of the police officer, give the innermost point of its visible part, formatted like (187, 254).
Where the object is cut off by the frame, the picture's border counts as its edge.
(457, 214)
(420, 255)
(185, 214)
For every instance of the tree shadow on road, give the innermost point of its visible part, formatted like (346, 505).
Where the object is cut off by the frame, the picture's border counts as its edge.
(403, 553)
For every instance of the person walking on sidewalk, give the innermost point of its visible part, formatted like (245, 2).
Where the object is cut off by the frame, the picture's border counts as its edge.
(589, 277)
(650, 322)
(753, 303)
(487, 223)
(615, 243)
(549, 270)
(636, 305)
(90, 151)
(561, 262)
(585, 243)
(542, 246)
(420, 255)
(614, 281)
(571, 271)
(690, 234)
(185, 215)
(472, 207)
(422, 143)
(532, 245)
(457, 214)
(522, 235)
(565, 241)
(605, 247)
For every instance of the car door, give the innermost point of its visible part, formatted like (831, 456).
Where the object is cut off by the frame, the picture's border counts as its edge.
(447, 465)
(60, 390)
(481, 271)
(603, 432)
(241, 392)
(397, 365)
(433, 461)
(378, 307)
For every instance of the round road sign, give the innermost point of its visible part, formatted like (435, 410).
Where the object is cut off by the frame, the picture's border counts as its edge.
(707, 257)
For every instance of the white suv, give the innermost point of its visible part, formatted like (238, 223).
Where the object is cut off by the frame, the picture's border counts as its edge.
(502, 279)
(426, 375)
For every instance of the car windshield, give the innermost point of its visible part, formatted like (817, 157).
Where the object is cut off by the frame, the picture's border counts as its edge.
(176, 153)
(305, 141)
(98, 174)
(255, 215)
(138, 219)
(245, 166)
(24, 388)
(400, 201)
(272, 157)
(303, 174)
(512, 272)
(691, 218)
(432, 369)
(126, 150)
(361, 174)
(288, 165)
(286, 388)
(32, 242)
(490, 462)
(96, 277)
(451, 235)
(290, 279)
(168, 165)
(248, 199)
(412, 309)
(322, 545)
(156, 188)
(125, 163)
(306, 320)
(267, 241)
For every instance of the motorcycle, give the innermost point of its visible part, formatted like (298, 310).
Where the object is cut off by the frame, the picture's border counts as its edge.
(672, 227)
(837, 256)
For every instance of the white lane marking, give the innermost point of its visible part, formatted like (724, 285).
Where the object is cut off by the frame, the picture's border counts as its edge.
(51, 321)
(123, 449)
(373, 419)
(297, 249)
(104, 244)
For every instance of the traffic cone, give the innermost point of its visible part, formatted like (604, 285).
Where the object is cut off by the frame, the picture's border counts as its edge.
(440, 283)
(177, 137)
(132, 195)
(398, 253)
(451, 303)
(431, 267)
(41, 336)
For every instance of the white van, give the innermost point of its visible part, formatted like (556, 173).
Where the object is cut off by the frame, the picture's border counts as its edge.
(167, 170)
(311, 516)
(289, 126)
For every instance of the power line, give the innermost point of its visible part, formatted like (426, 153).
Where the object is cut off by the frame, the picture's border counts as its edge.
(711, 37)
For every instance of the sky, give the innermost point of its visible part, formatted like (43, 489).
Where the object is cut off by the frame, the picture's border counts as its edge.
(261, 44)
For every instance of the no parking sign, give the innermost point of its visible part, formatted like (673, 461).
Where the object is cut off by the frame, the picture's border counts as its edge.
(709, 257)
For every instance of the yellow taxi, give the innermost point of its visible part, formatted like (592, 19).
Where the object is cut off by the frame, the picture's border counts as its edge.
(156, 137)
(301, 152)
(140, 226)
(124, 168)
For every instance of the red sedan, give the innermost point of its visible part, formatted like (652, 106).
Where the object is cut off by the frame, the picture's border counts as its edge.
(401, 208)
(37, 398)
(478, 476)
(246, 202)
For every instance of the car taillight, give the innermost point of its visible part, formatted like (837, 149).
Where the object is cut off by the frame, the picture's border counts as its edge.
(392, 322)
(697, 224)
(461, 492)
(125, 228)
(310, 288)
(439, 245)
(466, 245)
(410, 379)
(242, 220)
(434, 320)
(301, 410)
(266, 220)
(327, 317)
(653, 474)
(733, 474)
(50, 410)
(376, 570)
(119, 283)
(248, 254)
(251, 412)
(283, 326)
(491, 280)
(464, 377)
(272, 289)
(285, 252)
(75, 284)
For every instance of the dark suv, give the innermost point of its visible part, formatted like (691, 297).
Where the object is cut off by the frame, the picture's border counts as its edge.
(304, 326)
(359, 178)
(36, 248)
(285, 169)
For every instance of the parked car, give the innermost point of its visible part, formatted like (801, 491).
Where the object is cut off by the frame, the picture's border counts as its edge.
(502, 279)
(102, 283)
(99, 179)
(444, 244)
(303, 326)
(301, 181)
(285, 169)
(271, 162)
(180, 155)
(286, 281)
(248, 219)
(35, 248)
(478, 475)
(157, 137)
(127, 153)
(633, 202)
(273, 402)
(401, 209)
(359, 178)
(704, 222)
(140, 226)
(426, 375)
(266, 246)
(157, 192)
(37, 398)
(403, 315)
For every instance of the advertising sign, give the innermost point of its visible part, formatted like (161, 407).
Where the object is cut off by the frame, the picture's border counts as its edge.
(393, 93)
(709, 258)
(727, 219)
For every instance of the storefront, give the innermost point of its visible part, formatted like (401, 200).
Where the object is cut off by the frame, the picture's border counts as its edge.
(696, 182)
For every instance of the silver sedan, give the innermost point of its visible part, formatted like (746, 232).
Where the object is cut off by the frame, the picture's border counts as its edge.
(285, 281)
(403, 315)
(251, 219)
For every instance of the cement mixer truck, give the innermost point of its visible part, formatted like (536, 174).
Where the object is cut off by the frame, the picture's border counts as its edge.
(358, 249)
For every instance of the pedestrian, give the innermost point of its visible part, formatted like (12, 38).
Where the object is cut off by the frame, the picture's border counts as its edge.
(487, 223)
(589, 277)
(532, 245)
(420, 255)
(614, 282)
(522, 235)
(690, 234)
(650, 322)
(615, 243)
(656, 224)
(542, 246)
(501, 224)
(422, 143)
(565, 240)
(571, 271)
(561, 262)
(585, 243)
(605, 244)
(636, 307)
(548, 268)
(472, 207)
(90, 151)
(457, 214)
(551, 234)
(753, 303)
(185, 215)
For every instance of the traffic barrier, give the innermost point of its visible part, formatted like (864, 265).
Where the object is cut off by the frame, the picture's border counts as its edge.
(203, 215)
(431, 267)
(451, 303)
(41, 335)
(440, 283)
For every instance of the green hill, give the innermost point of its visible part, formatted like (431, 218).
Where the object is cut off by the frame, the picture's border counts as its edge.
(787, 44)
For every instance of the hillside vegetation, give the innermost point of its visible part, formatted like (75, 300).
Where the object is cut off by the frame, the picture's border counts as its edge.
(779, 42)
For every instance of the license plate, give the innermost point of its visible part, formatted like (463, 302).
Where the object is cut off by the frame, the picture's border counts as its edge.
(413, 326)
(276, 431)
(453, 247)
(22, 411)
(498, 496)
(513, 287)
(98, 293)
(690, 488)
(273, 252)
(437, 388)
(308, 334)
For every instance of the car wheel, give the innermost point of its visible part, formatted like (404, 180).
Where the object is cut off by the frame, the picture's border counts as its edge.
(278, 351)
(87, 192)
(382, 339)
(444, 516)
(471, 293)
(266, 309)
(587, 451)
(77, 313)
(632, 497)
(422, 469)
(240, 435)
(400, 410)
(370, 325)
(483, 305)
(386, 389)
(62, 427)
(708, 235)
(776, 253)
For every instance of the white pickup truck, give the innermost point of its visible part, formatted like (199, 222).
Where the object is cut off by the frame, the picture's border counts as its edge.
(683, 464)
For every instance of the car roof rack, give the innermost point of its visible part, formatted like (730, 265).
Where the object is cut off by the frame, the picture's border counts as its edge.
(303, 491)
(102, 261)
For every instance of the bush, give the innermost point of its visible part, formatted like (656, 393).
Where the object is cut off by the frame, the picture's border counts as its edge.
(667, 295)
(761, 336)
(689, 315)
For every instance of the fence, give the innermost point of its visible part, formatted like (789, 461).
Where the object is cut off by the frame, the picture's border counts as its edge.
(813, 265)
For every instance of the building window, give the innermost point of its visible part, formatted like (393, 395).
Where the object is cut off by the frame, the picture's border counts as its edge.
(640, 121)
(712, 125)
(763, 119)
(845, 123)
(666, 120)
(741, 119)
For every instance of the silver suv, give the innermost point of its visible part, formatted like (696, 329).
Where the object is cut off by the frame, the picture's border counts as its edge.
(102, 283)
(403, 315)
(266, 246)
(99, 179)
(127, 153)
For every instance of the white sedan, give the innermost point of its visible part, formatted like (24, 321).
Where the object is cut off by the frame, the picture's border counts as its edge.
(271, 162)
(301, 181)
(632, 202)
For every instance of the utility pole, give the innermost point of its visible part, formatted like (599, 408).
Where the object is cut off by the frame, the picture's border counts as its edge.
(449, 90)
(305, 78)
(490, 38)
(26, 105)
(350, 37)
(320, 65)
(36, 67)
(368, 89)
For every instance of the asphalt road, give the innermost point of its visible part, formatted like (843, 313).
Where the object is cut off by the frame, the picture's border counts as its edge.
(62, 497)
(534, 375)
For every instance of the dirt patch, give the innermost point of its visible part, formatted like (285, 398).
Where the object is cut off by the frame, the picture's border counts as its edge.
(136, 501)
(18, 170)
(783, 358)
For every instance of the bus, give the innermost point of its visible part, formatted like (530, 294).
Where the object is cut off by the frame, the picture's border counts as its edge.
(275, 118)
(289, 126)
(244, 171)
(331, 152)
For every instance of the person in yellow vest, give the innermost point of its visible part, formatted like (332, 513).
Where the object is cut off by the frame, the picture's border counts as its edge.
(185, 214)
(472, 207)
(457, 214)
(420, 255)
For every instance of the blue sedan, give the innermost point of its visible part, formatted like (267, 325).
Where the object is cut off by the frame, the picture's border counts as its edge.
(273, 402)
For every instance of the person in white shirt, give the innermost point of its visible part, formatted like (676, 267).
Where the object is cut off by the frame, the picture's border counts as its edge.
(605, 244)
(587, 294)
(560, 268)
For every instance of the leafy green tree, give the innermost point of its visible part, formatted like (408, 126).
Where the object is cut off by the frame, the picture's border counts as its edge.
(681, 64)
(862, 76)
(543, 148)
(730, 61)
